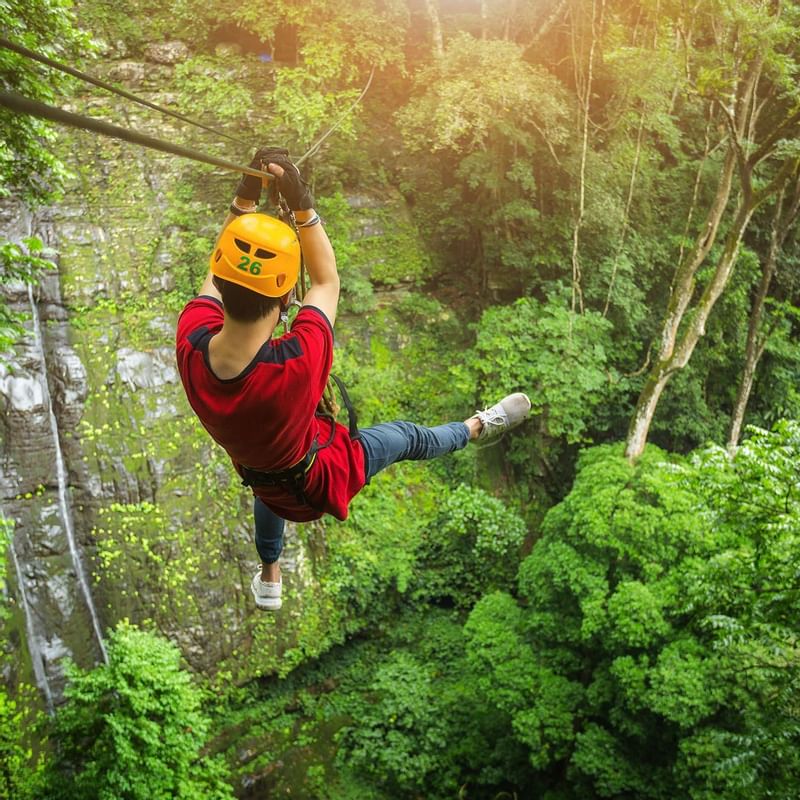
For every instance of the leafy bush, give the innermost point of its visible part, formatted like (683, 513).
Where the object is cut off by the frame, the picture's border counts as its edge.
(655, 653)
(398, 740)
(133, 728)
(470, 548)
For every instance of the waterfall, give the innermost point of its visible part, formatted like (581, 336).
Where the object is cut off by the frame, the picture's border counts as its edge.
(61, 475)
(36, 657)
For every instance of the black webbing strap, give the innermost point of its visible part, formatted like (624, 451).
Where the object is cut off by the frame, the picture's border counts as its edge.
(284, 477)
(351, 412)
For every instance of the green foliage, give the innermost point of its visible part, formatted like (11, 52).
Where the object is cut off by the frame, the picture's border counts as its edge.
(470, 548)
(133, 728)
(652, 650)
(127, 26)
(6, 539)
(18, 262)
(481, 93)
(17, 772)
(656, 653)
(396, 715)
(398, 740)
(304, 109)
(334, 40)
(478, 120)
(213, 85)
(20, 769)
(558, 358)
(30, 164)
(395, 255)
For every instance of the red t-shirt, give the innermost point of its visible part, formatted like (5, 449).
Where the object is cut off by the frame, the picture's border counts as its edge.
(265, 416)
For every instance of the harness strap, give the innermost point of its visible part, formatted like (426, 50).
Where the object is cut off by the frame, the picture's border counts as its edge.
(294, 478)
(351, 412)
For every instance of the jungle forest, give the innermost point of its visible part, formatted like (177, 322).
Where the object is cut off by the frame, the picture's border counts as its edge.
(595, 202)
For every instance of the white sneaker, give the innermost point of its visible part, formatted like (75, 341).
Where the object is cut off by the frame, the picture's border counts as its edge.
(503, 416)
(267, 595)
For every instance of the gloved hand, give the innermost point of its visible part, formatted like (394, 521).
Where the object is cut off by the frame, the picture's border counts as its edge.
(250, 185)
(291, 184)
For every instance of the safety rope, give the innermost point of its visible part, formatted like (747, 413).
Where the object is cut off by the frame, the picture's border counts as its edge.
(328, 405)
(23, 51)
(34, 108)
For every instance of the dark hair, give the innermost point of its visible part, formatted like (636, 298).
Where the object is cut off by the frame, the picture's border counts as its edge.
(244, 305)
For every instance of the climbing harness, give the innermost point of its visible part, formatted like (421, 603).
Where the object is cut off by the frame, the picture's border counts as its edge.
(293, 480)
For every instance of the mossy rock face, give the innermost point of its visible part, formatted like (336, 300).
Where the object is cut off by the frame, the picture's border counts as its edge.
(164, 526)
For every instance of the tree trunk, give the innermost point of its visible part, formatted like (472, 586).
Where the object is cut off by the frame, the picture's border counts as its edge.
(696, 326)
(782, 222)
(556, 12)
(585, 99)
(674, 353)
(436, 28)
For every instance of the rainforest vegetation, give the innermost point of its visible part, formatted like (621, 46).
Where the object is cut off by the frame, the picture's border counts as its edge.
(592, 201)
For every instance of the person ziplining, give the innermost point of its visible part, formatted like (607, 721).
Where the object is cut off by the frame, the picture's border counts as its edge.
(259, 397)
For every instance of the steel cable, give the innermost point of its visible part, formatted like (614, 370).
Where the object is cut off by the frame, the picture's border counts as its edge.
(34, 108)
(142, 139)
(23, 51)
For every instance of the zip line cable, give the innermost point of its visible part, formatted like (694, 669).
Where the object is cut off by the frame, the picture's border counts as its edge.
(314, 149)
(23, 51)
(34, 108)
(16, 102)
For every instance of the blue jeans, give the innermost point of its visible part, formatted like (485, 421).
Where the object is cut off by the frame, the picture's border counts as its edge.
(383, 445)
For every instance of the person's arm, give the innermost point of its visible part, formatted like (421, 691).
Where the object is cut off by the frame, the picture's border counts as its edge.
(317, 251)
(319, 258)
(248, 193)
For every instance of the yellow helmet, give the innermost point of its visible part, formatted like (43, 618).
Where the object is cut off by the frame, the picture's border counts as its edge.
(260, 253)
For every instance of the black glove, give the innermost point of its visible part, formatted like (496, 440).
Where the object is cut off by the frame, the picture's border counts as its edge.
(250, 185)
(291, 184)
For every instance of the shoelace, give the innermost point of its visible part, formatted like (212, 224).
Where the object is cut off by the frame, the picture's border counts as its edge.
(492, 416)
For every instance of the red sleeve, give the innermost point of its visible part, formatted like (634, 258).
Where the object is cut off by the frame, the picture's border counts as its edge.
(315, 333)
(202, 312)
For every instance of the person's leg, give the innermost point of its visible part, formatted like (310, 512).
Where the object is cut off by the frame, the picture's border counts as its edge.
(269, 540)
(391, 442)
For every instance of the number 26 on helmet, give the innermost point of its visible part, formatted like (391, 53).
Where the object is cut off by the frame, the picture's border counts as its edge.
(260, 253)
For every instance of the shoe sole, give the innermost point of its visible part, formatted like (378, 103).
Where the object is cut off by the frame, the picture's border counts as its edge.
(265, 603)
(261, 604)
